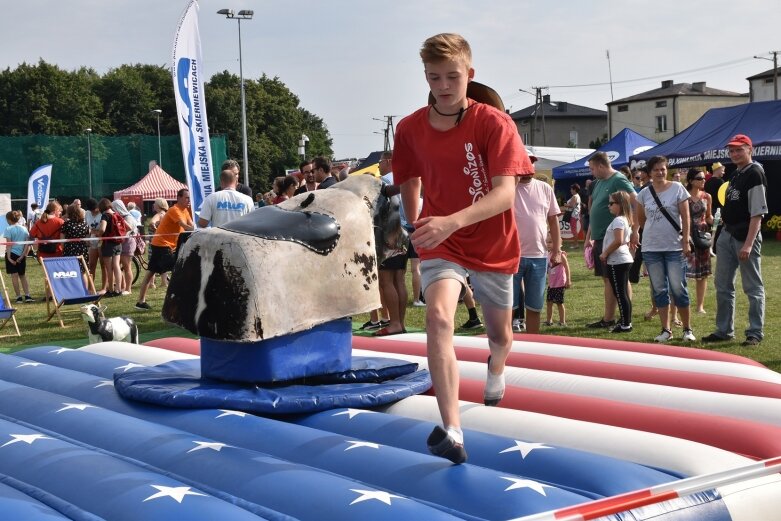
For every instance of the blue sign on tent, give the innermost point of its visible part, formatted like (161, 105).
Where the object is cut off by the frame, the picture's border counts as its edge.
(619, 150)
(705, 141)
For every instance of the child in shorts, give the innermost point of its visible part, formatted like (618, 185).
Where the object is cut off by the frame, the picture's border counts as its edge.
(16, 255)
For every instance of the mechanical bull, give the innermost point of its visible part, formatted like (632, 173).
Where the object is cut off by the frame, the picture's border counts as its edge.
(287, 268)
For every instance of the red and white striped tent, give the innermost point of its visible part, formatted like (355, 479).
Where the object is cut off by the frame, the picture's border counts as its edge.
(156, 183)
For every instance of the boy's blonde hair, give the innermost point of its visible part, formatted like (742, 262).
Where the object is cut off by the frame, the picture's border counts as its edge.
(446, 46)
(623, 200)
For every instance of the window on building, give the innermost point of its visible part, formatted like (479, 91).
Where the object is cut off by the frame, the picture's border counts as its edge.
(660, 104)
(525, 137)
(573, 138)
(661, 123)
(768, 81)
(623, 108)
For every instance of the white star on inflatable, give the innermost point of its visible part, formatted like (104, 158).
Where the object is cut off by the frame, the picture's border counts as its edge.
(177, 493)
(104, 383)
(228, 412)
(28, 364)
(356, 444)
(26, 438)
(129, 366)
(526, 483)
(61, 350)
(208, 445)
(379, 495)
(525, 448)
(352, 413)
(78, 406)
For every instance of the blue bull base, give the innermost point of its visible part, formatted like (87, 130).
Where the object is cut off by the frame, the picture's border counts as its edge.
(324, 349)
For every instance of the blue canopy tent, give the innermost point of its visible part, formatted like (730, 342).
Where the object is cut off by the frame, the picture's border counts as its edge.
(619, 149)
(705, 141)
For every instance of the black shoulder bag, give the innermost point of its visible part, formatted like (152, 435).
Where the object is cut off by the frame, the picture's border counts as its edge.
(696, 235)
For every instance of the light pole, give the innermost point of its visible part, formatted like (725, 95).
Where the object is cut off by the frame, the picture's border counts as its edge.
(89, 158)
(241, 15)
(775, 70)
(302, 146)
(159, 148)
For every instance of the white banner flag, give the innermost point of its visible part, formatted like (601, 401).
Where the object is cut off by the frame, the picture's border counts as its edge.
(188, 79)
(38, 188)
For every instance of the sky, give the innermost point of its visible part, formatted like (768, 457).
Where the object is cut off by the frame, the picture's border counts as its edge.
(353, 63)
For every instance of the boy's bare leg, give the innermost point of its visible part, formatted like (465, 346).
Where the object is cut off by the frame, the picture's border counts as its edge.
(498, 326)
(441, 302)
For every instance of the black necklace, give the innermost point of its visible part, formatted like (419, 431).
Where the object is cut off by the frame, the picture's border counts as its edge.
(460, 112)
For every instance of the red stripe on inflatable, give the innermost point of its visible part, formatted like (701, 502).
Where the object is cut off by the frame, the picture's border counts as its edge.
(751, 439)
(624, 372)
(608, 506)
(191, 346)
(637, 347)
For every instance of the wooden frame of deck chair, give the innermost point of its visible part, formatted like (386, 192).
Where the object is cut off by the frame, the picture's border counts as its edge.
(64, 283)
(7, 312)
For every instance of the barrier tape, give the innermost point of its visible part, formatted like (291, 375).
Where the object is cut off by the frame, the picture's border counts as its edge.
(657, 494)
(85, 239)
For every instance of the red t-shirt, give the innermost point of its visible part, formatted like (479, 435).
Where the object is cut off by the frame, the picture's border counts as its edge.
(49, 230)
(456, 167)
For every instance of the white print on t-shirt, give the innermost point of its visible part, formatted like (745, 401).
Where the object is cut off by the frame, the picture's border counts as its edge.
(476, 169)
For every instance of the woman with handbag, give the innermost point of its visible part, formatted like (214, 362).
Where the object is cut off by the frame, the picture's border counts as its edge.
(663, 213)
(699, 260)
(572, 213)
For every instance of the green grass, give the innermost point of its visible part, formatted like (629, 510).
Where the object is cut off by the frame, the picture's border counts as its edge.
(583, 302)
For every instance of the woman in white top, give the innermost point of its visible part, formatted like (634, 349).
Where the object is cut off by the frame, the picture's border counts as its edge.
(617, 257)
(666, 246)
(573, 205)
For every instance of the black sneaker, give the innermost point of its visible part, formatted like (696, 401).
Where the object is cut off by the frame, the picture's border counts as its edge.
(19, 299)
(713, 337)
(28, 299)
(621, 329)
(370, 326)
(472, 323)
(601, 324)
(143, 306)
(751, 341)
(441, 444)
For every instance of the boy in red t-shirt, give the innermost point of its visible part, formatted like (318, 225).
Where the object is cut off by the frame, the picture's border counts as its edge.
(466, 155)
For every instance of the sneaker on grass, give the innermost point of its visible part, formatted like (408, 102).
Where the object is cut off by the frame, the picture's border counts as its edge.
(518, 325)
(472, 323)
(143, 306)
(665, 336)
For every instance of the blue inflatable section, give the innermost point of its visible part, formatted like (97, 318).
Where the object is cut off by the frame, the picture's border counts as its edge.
(326, 348)
(326, 465)
(371, 382)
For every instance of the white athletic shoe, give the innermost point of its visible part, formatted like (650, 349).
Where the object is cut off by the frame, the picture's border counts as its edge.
(665, 336)
(688, 335)
(518, 326)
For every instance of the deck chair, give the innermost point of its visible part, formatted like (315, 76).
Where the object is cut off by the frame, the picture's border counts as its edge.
(65, 284)
(7, 313)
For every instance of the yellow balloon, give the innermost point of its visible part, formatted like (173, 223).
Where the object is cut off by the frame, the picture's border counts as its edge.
(723, 193)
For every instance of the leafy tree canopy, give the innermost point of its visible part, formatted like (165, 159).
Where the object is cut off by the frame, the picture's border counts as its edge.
(44, 99)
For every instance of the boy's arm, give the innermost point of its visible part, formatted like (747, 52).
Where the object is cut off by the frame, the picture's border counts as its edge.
(432, 231)
(410, 198)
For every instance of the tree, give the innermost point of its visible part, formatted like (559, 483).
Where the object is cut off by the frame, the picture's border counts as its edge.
(275, 122)
(598, 142)
(44, 99)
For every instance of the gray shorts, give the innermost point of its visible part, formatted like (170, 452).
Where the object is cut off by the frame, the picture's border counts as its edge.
(489, 287)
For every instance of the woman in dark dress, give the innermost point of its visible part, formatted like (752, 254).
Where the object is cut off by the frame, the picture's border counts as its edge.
(75, 227)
